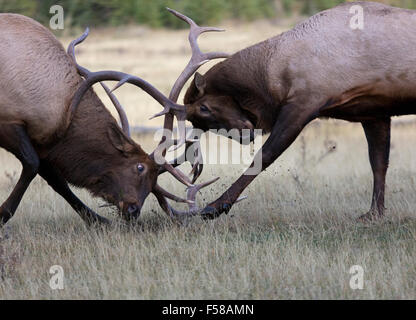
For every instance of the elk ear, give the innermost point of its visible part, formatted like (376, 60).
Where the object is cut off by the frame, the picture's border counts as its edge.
(200, 83)
(119, 140)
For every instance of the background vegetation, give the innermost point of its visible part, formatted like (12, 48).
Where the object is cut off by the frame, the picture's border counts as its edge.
(152, 13)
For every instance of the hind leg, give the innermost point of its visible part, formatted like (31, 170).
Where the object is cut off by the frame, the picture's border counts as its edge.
(58, 183)
(378, 138)
(13, 138)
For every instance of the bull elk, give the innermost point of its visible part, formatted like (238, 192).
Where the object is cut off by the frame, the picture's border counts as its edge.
(55, 124)
(322, 68)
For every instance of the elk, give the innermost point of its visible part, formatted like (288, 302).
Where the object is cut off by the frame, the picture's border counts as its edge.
(322, 68)
(56, 125)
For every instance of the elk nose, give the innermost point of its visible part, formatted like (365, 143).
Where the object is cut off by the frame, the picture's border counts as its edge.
(133, 210)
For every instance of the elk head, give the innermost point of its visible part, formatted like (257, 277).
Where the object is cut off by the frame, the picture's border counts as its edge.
(208, 105)
(145, 168)
(132, 176)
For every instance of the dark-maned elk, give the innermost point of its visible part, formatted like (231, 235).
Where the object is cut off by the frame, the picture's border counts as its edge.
(66, 139)
(321, 68)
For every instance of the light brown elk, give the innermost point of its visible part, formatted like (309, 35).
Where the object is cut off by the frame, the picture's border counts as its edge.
(322, 68)
(64, 138)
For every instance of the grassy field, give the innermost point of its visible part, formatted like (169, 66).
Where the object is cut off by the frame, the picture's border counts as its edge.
(296, 237)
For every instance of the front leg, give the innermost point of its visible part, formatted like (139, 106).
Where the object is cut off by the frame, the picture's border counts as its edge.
(13, 138)
(378, 138)
(288, 126)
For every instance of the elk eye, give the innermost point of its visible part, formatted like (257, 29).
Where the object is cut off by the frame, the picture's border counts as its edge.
(140, 167)
(204, 108)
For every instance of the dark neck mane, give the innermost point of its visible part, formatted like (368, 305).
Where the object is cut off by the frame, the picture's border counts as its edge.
(243, 76)
(85, 155)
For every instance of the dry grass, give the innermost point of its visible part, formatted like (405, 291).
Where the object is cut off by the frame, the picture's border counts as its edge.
(296, 236)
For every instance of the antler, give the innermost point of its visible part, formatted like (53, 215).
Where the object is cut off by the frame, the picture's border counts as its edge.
(197, 165)
(198, 59)
(191, 196)
(85, 73)
(122, 78)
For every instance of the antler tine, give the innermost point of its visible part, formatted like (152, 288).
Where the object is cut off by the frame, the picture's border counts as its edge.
(197, 166)
(197, 162)
(178, 174)
(191, 196)
(192, 191)
(182, 17)
(169, 195)
(71, 52)
(198, 58)
(181, 130)
(195, 31)
(85, 73)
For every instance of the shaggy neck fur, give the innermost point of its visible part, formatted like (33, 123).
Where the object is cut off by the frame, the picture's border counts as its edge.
(243, 76)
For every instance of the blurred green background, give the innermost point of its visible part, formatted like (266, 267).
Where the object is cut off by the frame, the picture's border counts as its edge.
(79, 13)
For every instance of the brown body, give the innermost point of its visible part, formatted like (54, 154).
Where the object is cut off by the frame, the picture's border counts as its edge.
(321, 68)
(38, 81)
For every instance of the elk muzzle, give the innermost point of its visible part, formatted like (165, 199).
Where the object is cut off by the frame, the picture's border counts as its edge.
(131, 212)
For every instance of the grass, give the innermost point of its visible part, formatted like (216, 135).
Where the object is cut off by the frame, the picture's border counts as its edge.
(296, 237)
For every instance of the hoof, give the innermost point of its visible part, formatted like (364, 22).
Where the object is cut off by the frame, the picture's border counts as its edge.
(209, 213)
(369, 217)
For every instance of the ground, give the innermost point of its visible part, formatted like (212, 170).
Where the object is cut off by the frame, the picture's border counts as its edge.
(295, 237)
